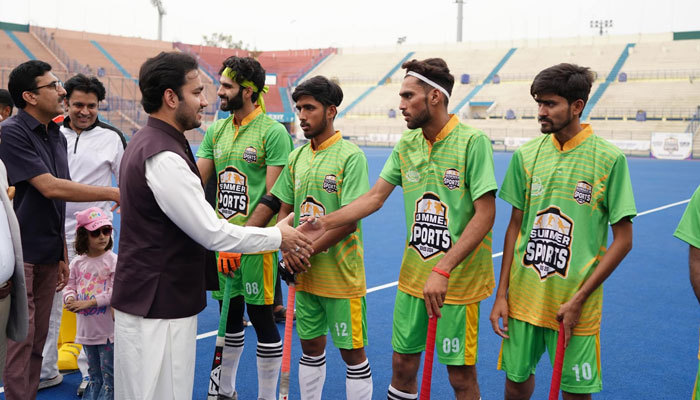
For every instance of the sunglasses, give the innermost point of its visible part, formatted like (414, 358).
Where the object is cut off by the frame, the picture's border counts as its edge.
(105, 230)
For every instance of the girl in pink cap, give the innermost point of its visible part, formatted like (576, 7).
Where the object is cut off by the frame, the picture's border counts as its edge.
(88, 293)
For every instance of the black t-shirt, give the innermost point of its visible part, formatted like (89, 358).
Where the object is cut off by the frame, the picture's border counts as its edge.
(28, 150)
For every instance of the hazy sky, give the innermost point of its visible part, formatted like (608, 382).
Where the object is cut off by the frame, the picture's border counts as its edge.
(285, 24)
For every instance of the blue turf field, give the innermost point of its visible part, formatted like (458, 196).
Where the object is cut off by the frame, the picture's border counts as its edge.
(649, 335)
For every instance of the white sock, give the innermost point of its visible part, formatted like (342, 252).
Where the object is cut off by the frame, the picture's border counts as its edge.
(233, 348)
(358, 381)
(269, 363)
(312, 375)
(395, 394)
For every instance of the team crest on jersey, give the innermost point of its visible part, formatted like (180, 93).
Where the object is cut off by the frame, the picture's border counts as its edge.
(233, 193)
(250, 154)
(218, 152)
(412, 175)
(429, 233)
(583, 192)
(536, 187)
(311, 208)
(330, 184)
(451, 179)
(549, 249)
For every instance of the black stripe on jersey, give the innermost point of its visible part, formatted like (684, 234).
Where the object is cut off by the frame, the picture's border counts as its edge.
(115, 130)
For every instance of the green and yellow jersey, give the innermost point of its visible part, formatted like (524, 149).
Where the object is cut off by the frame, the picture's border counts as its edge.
(440, 183)
(318, 182)
(241, 155)
(568, 196)
(688, 229)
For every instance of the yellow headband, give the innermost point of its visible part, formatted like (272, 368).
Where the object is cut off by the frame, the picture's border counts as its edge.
(231, 74)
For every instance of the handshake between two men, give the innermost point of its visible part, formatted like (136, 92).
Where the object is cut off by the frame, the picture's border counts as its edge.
(296, 245)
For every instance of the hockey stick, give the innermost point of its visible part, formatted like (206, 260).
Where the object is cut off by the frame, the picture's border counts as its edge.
(428, 362)
(215, 375)
(558, 365)
(288, 323)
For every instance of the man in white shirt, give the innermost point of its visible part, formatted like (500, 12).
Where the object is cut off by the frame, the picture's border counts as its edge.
(14, 318)
(159, 283)
(95, 150)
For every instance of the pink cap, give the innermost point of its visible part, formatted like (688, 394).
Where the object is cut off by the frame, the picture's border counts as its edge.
(92, 218)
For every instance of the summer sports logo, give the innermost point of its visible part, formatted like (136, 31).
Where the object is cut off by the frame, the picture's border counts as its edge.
(311, 208)
(451, 179)
(233, 193)
(250, 155)
(583, 192)
(429, 233)
(549, 249)
(330, 184)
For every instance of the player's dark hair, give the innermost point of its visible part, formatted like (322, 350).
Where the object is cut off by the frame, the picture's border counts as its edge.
(247, 69)
(6, 99)
(167, 70)
(434, 69)
(82, 244)
(84, 84)
(23, 79)
(569, 81)
(320, 88)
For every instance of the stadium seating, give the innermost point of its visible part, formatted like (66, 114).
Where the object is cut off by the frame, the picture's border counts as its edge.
(656, 90)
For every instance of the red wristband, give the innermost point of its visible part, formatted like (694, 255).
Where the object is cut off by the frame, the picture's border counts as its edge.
(441, 272)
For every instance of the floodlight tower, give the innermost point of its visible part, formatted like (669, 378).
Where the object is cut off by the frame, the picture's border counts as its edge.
(601, 25)
(161, 11)
(460, 6)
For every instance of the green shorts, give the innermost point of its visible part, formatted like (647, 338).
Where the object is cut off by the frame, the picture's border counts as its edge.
(456, 336)
(254, 280)
(345, 318)
(520, 354)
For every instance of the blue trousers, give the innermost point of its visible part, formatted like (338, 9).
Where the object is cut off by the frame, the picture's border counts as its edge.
(101, 370)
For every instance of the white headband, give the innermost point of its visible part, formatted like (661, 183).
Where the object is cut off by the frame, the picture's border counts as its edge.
(429, 82)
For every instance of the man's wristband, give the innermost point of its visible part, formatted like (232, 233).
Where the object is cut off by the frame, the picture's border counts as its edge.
(441, 272)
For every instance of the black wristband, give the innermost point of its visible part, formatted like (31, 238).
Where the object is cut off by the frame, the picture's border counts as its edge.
(272, 202)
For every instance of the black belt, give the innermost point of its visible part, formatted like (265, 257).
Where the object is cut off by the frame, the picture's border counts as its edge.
(5, 290)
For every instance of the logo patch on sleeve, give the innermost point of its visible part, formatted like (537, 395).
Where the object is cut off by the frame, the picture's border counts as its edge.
(250, 154)
(583, 192)
(549, 249)
(429, 233)
(330, 184)
(451, 178)
(233, 193)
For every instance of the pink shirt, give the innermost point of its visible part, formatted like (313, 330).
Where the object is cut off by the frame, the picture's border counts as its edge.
(92, 278)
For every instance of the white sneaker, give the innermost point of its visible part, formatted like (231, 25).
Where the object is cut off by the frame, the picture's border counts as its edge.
(83, 385)
(51, 382)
